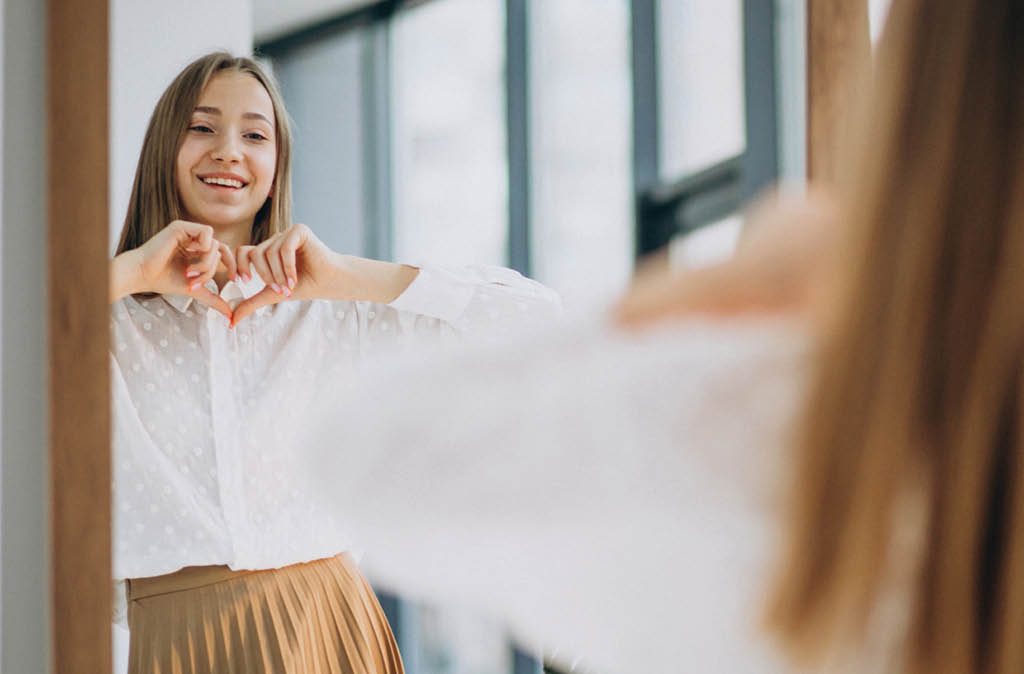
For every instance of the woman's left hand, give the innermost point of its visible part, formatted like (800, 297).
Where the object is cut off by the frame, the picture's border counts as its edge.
(296, 265)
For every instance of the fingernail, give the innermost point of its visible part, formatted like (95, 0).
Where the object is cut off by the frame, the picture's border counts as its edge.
(287, 292)
(247, 277)
(192, 274)
(192, 288)
(291, 283)
(276, 288)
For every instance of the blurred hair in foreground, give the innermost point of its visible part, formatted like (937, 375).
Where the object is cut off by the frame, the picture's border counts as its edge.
(918, 388)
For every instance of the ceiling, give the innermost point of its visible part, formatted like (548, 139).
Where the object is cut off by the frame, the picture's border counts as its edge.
(274, 18)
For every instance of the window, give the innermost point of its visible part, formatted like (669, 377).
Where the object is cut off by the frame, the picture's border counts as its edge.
(700, 84)
(580, 147)
(321, 85)
(450, 186)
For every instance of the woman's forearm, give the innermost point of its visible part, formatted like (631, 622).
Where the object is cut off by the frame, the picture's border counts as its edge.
(124, 276)
(359, 278)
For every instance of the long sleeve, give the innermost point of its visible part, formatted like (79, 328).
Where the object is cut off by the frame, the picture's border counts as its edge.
(609, 496)
(444, 303)
(470, 296)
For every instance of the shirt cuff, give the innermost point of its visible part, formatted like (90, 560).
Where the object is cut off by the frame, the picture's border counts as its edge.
(438, 293)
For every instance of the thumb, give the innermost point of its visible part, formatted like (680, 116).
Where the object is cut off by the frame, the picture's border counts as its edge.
(261, 299)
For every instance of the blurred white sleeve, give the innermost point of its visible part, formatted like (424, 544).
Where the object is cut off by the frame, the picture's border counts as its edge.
(610, 496)
(478, 297)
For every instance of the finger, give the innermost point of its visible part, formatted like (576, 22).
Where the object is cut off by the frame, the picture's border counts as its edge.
(242, 260)
(292, 241)
(204, 268)
(228, 260)
(214, 301)
(207, 267)
(273, 256)
(261, 299)
(259, 260)
(199, 237)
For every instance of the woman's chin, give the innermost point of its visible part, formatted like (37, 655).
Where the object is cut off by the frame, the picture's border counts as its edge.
(223, 219)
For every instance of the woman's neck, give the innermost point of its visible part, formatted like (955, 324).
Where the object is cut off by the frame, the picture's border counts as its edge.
(234, 236)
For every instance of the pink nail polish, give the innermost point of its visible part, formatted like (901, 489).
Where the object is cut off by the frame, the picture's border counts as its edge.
(291, 283)
(276, 288)
(192, 288)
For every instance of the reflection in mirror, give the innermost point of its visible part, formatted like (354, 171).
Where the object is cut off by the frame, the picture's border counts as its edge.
(451, 132)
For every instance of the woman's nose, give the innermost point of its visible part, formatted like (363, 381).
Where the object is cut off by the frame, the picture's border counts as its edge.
(227, 149)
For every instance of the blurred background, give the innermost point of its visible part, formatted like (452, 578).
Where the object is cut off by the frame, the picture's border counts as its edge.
(564, 138)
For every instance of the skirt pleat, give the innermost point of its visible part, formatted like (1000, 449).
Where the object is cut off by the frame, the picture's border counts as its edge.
(320, 617)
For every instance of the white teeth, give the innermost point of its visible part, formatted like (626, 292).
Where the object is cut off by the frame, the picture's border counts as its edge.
(227, 182)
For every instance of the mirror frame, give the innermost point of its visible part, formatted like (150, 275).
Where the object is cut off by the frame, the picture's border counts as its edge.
(77, 103)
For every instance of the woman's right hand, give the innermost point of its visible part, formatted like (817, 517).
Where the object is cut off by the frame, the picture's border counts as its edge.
(179, 260)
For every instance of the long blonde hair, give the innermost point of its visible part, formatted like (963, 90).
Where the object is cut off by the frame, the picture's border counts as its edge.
(920, 376)
(155, 201)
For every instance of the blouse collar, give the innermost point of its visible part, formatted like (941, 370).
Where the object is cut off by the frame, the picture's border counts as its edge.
(232, 292)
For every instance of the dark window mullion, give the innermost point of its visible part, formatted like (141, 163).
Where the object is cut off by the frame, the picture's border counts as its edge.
(643, 32)
(377, 132)
(761, 158)
(517, 101)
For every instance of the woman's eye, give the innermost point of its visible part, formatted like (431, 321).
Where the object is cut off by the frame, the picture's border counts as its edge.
(202, 128)
(255, 136)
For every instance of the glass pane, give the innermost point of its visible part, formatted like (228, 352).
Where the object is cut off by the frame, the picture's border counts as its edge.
(700, 78)
(450, 168)
(708, 245)
(580, 137)
(322, 89)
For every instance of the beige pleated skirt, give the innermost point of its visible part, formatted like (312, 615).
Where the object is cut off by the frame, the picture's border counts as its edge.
(320, 617)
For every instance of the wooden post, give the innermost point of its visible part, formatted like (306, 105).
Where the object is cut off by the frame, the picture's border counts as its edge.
(77, 118)
(838, 48)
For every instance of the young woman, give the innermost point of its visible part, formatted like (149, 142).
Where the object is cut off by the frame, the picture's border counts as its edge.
(229, 322)
(830, 480)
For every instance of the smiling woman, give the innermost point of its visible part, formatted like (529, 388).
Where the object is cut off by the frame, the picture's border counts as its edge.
(225, 168)
(212, 523)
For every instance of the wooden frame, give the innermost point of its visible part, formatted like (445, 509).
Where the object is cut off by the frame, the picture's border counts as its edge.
(77, 196)
(838, 46)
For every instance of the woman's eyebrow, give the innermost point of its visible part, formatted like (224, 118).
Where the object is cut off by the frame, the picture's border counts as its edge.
(246, 115)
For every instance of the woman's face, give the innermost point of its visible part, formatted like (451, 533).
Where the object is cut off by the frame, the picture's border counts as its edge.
(225, 167)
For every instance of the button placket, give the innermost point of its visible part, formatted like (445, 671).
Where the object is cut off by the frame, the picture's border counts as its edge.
(225, 419)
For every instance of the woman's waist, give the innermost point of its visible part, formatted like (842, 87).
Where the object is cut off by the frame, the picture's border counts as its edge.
(194, 577)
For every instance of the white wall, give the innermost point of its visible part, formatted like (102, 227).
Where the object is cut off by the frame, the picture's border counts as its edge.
(24, 516)
(150, 42)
